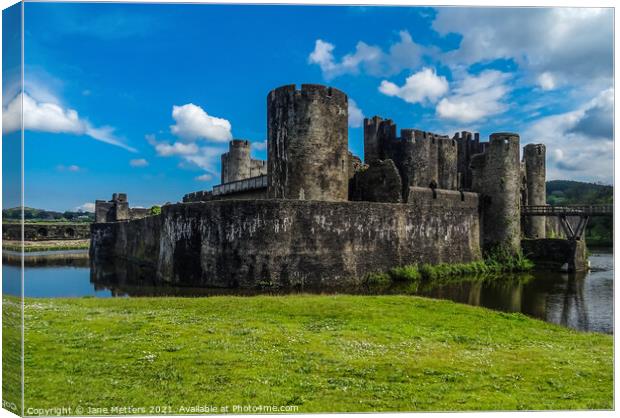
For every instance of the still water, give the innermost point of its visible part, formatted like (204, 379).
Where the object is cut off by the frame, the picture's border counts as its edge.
(580, 301)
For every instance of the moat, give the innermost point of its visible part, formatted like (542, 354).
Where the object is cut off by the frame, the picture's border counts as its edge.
(582, 301)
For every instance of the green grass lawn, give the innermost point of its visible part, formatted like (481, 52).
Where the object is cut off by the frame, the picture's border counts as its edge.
(320, 353)
(11, 354)
(50, 245)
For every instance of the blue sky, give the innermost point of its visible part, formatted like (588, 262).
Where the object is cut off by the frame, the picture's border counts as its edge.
(11, 142)
(142, 98)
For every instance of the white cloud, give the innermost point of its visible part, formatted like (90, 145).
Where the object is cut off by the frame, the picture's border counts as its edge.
(73, 168)
(406, 54)
(401, 55)
(204, 177)
(178, 148)
(577, 145)
(420, 87)
(597, 120)
(364, 54)
(322, 55)
(86, 207)
(546, 81)
(191, 154)
(45, 117)
(138, 162)
(53, 118)
(476, 97)
(206, 158)
(259, 145)
(570, 43)
(193, 123)
(194, 127)
(356, 116)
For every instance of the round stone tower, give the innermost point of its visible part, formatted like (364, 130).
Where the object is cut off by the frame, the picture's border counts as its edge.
(307, 143)
(500, 184)
(534, 158)
(236, 162)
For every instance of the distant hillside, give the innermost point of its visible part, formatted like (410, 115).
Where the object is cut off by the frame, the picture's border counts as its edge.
(35, 215)
(566, 192)
(600, 230)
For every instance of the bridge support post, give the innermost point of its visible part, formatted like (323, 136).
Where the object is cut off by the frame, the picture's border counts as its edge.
(574, 235)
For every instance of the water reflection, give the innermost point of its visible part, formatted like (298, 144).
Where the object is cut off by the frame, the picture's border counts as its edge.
(581, 301)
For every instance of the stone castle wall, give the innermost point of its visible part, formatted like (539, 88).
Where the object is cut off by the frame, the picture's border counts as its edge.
(468, 145)
(228, 243)
(422, 158)
(118, 209)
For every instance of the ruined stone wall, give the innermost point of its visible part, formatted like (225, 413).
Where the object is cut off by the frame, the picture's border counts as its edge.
(137, 213)
(104, 211)
(534, 161)
(379, 133)
(46, 231)
(258, 168)
(496, 176)
(307, 141)
(422, 158)
(468, 145)
(117, 209)
(288, 242)
(380, 182)
(355, 165)
(447, 152)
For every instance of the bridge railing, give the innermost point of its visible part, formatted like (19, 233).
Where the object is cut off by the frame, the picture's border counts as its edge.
(567, 210)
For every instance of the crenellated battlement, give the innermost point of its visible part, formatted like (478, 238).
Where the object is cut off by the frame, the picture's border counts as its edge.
(504, 138)
(423, 158)
(312, 91)
(238, 143)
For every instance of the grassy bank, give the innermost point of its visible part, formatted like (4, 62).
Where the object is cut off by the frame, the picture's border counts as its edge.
(51, 245)
(415, 273)
(319, 353)
(11, 354)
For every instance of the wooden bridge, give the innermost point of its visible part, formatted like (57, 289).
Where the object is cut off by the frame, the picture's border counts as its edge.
(583, 212)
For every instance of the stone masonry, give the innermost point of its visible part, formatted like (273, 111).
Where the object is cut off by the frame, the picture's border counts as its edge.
(307, 142)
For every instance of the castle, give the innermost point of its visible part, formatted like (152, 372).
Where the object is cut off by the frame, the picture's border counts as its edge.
(314, 214)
